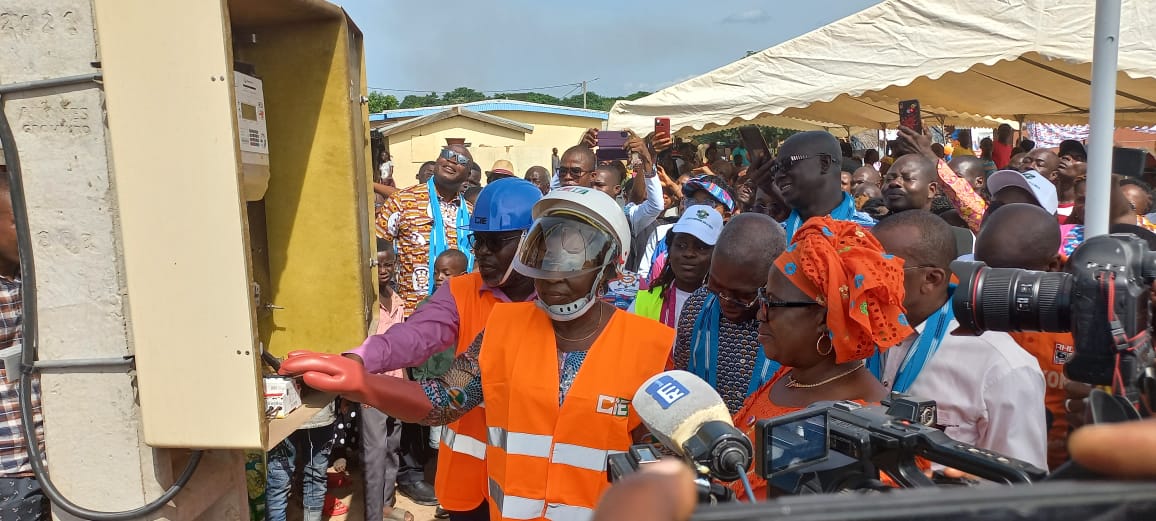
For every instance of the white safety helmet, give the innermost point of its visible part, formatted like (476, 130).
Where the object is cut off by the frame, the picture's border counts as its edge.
(576, 231)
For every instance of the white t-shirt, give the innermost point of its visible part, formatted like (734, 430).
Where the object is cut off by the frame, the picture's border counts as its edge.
(680, 297)
(386, 169)
(647, 260)
(989, 392)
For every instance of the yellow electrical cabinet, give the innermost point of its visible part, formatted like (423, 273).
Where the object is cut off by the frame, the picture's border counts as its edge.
(234, 240)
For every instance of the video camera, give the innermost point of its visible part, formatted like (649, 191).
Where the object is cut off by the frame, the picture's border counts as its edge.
(619, 466)
(837, 446)
(1102, 298)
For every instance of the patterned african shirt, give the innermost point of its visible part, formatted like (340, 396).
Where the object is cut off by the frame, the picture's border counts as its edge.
(406, 220)
(738, 349)
(459, 390)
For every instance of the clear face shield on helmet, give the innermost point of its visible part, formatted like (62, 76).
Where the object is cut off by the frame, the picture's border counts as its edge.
(563, 245)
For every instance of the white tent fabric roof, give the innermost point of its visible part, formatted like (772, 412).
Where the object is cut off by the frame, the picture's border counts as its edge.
(966, 60)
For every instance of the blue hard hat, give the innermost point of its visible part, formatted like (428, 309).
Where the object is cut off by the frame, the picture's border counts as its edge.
(505, 205)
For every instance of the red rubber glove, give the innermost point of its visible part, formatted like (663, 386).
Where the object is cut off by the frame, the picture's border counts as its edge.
(402, 399)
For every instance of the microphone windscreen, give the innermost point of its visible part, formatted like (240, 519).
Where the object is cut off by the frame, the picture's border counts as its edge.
(674, 404)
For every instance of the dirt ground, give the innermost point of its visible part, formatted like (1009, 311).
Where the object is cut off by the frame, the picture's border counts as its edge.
(351, 495)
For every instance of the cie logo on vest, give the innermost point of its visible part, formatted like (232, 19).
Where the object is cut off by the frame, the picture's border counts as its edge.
(613, 405)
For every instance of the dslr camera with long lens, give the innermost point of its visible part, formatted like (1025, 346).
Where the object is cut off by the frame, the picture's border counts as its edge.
(1102, 297)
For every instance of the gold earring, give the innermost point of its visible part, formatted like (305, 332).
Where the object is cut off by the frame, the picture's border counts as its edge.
(819, 341)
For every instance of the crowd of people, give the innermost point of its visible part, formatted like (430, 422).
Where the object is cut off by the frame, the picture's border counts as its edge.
(519, 317)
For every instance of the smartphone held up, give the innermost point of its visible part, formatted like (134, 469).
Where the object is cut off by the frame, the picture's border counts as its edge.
(910, 115)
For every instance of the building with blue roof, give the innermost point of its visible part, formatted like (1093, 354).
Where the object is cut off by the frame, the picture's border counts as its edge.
(521, 132)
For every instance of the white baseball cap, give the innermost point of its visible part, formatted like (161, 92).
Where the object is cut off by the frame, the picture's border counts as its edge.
(701, 221)
(1032, 181)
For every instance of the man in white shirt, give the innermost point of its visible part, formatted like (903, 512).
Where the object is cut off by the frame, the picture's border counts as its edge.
(989, 390)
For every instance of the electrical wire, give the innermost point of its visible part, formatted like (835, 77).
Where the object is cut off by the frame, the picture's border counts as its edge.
(746, 484)
(30, 335)
(492, 91)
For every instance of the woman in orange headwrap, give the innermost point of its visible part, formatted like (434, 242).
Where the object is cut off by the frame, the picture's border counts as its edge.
(833, 296)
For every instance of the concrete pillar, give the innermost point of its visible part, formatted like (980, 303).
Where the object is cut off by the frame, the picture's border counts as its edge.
(95, 448)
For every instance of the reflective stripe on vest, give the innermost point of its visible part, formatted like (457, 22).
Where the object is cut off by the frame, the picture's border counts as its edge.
(520, 443)
(514, 507)
(537, 445)
(460, 483)
(582, 457)
(560, 512)
(548, 459)
(463, 444)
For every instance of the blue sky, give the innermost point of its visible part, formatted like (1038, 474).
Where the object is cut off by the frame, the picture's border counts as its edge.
(514, 45)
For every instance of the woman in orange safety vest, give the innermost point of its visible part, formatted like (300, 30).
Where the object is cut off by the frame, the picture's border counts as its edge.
(555, 376)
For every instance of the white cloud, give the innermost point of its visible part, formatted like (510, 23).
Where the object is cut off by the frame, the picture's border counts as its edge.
(752, 16)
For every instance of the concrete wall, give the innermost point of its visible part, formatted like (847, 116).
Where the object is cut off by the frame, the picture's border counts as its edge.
(95, 445)
(488, 142)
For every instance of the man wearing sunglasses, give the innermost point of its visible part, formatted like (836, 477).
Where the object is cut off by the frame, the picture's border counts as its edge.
(717, 330)
(990, 392)
(453, 317)
(807, 172)
(407, 219)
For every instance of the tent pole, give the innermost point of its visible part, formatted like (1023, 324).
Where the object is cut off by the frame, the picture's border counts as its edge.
(883, 138)
(1102, 115)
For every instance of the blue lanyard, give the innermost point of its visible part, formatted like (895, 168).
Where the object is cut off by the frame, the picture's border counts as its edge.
(438, 240)
(925, 347)
(844, 212)
(704, 350)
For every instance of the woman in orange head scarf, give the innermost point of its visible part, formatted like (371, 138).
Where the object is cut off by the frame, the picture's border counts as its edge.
(832, 297)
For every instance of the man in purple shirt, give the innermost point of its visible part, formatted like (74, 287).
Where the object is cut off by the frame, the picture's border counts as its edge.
(501, 215)
(434, 326)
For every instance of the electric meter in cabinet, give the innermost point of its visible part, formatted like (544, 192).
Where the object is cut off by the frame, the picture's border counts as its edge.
(252, 132)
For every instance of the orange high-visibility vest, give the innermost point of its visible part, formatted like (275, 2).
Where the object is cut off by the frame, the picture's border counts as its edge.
(547, 461)
(1052, 351)
(461, 483)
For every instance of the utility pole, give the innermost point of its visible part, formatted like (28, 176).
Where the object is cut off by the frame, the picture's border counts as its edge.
(583, 93)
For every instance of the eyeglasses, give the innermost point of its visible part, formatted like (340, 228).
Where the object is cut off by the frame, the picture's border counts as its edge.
(785, 163)
(767, 303)
(731, 300)
(450, 155)
(575, 171)
(490, 241)
(905, 268)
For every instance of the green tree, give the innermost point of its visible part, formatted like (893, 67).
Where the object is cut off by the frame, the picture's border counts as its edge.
(532, 97)
(413, 102)
(593, 100)
(773, 135)
(462, 95)
(379, 102)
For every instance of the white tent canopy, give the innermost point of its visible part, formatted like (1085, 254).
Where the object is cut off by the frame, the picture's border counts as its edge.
(967, 61)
